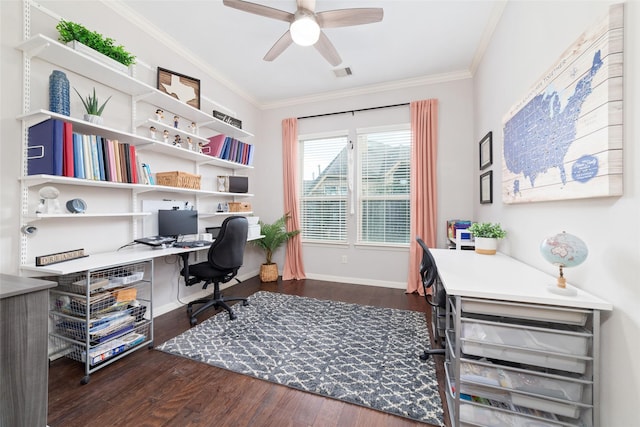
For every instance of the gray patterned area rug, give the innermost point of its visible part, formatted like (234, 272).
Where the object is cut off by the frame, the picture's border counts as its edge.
(359, 354)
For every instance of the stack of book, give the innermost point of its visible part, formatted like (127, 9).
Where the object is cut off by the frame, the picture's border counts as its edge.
(55, 149)
(228, 148)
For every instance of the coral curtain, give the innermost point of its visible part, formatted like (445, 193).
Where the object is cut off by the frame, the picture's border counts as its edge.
(424, 195)
(293, 265)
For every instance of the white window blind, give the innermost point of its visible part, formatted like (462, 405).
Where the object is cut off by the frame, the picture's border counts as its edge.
(324, 189)
(384, 169)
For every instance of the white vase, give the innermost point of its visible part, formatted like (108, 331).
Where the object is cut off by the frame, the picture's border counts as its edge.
(486, 245)
(96, 120)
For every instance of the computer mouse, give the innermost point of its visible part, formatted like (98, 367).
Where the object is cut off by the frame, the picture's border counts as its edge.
(199, 244)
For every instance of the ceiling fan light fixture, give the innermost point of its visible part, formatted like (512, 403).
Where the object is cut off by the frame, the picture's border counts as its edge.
(304, 29)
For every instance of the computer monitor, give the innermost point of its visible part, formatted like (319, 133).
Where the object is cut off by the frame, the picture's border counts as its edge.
(177, 222)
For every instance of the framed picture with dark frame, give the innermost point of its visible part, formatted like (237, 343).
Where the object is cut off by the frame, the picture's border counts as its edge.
(179, 86)
(486, 151)
(486, 187)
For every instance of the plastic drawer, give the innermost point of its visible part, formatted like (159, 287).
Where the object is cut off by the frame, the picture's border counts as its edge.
(526, 311)
(543, 392)
(550, 348)
(481, 415)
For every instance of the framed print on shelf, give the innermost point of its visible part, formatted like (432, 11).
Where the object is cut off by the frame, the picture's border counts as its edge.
(486, 151)
(179, 86)
(486, 187)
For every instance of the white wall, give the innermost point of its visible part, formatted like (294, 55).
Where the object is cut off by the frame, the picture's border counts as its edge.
(528, 40)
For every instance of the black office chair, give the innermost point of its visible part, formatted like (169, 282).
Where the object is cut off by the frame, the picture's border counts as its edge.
(437, 299)
(224, 260)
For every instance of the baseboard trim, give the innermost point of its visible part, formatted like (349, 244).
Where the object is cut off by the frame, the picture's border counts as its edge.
(358, 281)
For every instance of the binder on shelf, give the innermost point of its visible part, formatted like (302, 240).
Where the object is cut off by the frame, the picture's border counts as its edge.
(45, 148)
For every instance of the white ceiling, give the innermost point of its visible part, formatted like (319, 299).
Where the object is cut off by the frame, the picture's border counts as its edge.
(417, 41)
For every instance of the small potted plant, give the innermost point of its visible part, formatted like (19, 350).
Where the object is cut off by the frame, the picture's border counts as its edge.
(94, 112)
(486, 235)
(275, 235)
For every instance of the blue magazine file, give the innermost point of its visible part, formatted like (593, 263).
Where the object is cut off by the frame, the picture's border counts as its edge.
(44, 148)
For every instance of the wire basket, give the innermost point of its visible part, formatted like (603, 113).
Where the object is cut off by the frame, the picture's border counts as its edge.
(178, 179)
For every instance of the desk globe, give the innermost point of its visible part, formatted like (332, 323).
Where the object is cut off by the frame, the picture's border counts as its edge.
(563, 250)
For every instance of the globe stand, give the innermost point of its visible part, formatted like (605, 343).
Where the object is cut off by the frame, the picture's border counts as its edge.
(561, 287)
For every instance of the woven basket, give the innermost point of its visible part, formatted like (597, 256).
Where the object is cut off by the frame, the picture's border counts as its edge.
(239, 207)
(178, 179)
(269, 272)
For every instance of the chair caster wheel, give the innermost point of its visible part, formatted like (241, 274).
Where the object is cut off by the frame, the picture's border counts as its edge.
(85, 380)
(232, 316)
(424, 356)
(193, 321)
(245, 302)
(189, 311)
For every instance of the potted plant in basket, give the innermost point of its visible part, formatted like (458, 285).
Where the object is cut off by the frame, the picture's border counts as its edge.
(94, 112)
(275, 235)
(486, 235)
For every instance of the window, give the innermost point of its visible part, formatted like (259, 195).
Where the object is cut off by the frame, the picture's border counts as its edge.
(384, 171)
(324, 189)
(381, 180)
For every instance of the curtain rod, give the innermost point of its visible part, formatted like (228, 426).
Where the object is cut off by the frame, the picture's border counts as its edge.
(353, 111)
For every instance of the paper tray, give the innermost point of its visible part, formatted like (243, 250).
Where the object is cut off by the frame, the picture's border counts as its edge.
(525, 311)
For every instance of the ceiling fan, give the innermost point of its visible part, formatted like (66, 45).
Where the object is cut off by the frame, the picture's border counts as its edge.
(305, 25)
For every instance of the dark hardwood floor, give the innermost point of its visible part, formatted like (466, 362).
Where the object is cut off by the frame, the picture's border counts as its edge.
(152, 388)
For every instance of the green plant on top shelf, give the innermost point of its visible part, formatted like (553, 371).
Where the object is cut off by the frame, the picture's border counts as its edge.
(70, 31)
(91, 103)
(487, 229)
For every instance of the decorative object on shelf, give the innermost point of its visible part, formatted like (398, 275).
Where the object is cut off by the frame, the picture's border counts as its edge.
(486, 151)
(222, 183)
(563, 250)
(486, 188)
(200, 147)
(71, 31)
(177, 140)
(227, 119)
(59, 93)
(193, 128)
(159, 114)
(165, 136)
(49, 259)
(189, 144)
(179, 86)
(275, 235)
(486, 235)
(76, 206)
(94, 112)
(152, 131)
(49, 200)
(176, 121)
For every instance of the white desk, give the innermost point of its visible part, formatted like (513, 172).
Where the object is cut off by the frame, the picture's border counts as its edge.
(500, 277)
(125, 255)
(510, 307)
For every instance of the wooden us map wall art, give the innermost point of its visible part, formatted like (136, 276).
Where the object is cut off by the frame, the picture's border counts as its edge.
(564, 139)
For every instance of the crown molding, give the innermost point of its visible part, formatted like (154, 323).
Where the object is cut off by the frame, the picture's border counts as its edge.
(494, 19)
(365, 90)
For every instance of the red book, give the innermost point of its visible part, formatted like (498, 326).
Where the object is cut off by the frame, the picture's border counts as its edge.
(133, 164)
(67, 149)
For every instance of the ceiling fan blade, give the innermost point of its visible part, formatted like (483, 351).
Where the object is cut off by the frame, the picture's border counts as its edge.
(306, 4)
(259, 9)
(326, 49)
(348, 17)
(279, 47)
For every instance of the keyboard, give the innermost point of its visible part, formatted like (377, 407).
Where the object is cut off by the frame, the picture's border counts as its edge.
(192, 244)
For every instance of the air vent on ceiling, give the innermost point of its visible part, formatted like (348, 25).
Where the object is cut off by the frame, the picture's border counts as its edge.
(342, 72)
